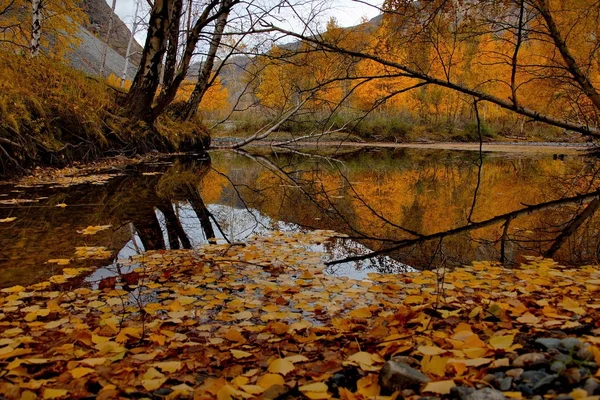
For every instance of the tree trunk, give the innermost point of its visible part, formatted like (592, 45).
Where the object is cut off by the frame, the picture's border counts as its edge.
(108, 34)
(36, 27)
(168, 94)
(173, 44)
(141, 95)
(130, 43)
(205, 74)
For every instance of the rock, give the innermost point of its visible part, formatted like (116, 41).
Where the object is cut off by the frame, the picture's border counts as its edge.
(461, 392)
(572, 375)
(346, 378)
(429, 398)
(505, 384)
(163, 392)
(525, 389)
(537, 397)
(533, 377)
(545, 383)
(485, 394)
(398, 376)
(564, 358)
(557, 366)
(570, 344)
(274, 392)
(525, 360)
(563, 397)
(515, 373)
(548, 343)
(407, 393)
(489, 378)
(591, 386)
(585, 352)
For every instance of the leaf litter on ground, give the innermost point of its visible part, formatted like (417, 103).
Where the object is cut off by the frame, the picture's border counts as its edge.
(236, 321)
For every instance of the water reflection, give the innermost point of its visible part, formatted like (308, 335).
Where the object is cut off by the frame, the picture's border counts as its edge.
(398, 207)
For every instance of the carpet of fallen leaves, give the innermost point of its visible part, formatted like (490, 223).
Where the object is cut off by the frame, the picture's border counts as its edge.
(232, 321)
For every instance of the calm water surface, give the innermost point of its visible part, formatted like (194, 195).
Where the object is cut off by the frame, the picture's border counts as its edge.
(419, 208)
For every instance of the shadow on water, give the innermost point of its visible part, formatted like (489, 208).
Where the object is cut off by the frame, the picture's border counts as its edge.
(392, 208)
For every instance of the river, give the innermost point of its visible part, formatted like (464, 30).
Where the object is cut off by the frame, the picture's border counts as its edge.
(415, 208)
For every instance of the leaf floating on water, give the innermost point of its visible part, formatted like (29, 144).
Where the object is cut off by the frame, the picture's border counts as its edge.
(9, 219)
(61, 205)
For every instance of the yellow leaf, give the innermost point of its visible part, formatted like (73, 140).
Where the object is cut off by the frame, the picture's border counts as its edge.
(9, 219)
(153, 384)
(93, 362)
(240, 354)
(528, 318)
(80, 372)
(361, 313)
(54, 393)
(430, 350)
(252, 389)
(296, 358)
(314, 387)
(281, 366)
(439, 387)
(168, 366)
(502, 342)
(61, 205)
(435, 365)
(268, 380)
(235, 336)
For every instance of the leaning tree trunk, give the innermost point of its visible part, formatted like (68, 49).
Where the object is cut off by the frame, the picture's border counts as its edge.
(36, 27)
(141, 95)
(204, 76)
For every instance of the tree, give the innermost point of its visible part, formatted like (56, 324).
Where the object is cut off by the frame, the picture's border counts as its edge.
(500, 53)
(37, 26)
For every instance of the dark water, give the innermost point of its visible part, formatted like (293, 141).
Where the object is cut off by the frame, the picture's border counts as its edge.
(418, 208)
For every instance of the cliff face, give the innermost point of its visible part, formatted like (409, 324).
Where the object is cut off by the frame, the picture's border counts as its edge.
(99, 12)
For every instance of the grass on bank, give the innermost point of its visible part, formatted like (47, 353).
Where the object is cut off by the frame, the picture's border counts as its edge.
(51, 114)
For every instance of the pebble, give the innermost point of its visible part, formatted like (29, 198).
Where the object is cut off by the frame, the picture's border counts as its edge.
(563, 397)
(485, 394)
(515, 372)
(533, 377)
(274, 392)
(585, 352)
(505, 384)
(163, 392)
(570, 344)
(557, 366)
(591, 386)
(572, 375)
(548, 343)
(545, 383)
(529, 359)
(398, 375)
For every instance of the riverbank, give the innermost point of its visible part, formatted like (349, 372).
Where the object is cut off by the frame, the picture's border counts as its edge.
(53, 115)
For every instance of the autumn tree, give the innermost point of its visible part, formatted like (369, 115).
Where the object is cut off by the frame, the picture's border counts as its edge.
(37, 26)
(532, 58)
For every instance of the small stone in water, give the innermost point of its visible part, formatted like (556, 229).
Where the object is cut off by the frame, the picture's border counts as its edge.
(572, 375)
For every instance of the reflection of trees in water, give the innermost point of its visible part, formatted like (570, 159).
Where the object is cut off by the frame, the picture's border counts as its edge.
(424, 212)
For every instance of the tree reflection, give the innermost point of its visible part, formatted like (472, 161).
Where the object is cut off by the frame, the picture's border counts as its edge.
(425, 212)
